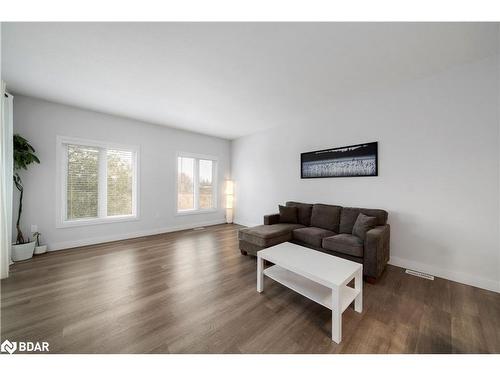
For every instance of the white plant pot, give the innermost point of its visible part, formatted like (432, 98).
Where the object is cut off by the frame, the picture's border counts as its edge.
(23, 251)
(40, 249)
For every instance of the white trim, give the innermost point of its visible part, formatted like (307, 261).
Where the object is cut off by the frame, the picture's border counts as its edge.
(94, 143)
(61, 172)
(196, 212)
(459, 277)
(215, 186)
(98, 221)
(196, 156)
(246, 224)
(6, 185)
(149, 232)
(136, 186)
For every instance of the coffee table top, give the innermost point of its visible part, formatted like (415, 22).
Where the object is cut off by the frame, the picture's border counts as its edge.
(327, 270)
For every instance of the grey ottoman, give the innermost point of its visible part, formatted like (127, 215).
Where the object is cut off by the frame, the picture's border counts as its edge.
(257, 238)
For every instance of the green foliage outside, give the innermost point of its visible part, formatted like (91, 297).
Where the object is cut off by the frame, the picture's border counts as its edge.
(119, 184)
(83, 183)
(185, 196)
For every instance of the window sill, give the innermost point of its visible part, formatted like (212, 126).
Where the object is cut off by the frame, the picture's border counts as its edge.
(98, 221)
(196, 212)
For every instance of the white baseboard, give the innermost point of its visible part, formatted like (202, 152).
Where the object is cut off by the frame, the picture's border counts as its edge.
(125, 236)
(395, 261)
(459, 277)
(245, 224)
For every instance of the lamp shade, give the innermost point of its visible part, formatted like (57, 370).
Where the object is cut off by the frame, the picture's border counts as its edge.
(229, 187)
(229, 201)
(229, 191)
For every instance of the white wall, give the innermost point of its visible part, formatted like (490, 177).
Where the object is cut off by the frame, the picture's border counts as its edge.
(41, 121)
(438, 169)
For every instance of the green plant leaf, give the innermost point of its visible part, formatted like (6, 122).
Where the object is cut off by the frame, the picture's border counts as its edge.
(24, 153)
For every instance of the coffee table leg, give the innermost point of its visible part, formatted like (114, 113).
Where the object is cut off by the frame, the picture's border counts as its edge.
(260, 274)
(358, 285)
(336, 316)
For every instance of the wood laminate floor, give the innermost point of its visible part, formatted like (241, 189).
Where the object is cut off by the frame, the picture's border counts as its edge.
(193, 292)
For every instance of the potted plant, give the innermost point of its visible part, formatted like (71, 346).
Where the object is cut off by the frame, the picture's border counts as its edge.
(39, 249)
(24, 155)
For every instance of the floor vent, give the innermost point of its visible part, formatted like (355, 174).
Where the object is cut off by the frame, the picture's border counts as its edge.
(420, 274)
(199, 228)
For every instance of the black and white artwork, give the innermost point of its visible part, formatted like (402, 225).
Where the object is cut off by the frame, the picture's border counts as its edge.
(350, 161)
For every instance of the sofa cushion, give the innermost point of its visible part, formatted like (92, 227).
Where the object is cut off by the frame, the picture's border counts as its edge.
(303, 213)
(326, 216)
(288, 214)
(349, 215)
(362, 225)
(268, 235)
(311, 235)
(344, 243)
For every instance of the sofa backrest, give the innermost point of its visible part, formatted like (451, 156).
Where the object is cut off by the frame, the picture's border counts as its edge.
(349, 215)
(304, 212)
(326, 216)
(336, 218)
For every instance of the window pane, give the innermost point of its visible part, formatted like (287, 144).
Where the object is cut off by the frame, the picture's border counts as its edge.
(120, 180)
(82, 182)
(206, 186)
(185, 184)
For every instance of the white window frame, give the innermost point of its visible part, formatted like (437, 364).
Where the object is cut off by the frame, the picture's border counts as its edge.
(215, 198)
(61, 182)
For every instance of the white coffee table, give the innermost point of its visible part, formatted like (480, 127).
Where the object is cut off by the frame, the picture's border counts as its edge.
(317, 276)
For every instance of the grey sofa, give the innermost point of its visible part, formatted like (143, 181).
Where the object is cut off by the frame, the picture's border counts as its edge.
(325, 228)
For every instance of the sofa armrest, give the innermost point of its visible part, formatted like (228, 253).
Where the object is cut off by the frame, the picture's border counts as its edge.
(271, 219)
(376, 250)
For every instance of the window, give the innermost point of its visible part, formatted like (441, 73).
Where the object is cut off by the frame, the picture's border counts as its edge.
(98, 182)
(196, 177)
(82, 182)
(120, 182)
(206, 185)
(185, 181)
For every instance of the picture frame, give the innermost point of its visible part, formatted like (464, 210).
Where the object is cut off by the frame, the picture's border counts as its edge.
(359, 160)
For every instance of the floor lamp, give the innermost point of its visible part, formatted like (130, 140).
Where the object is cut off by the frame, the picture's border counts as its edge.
(229, 201)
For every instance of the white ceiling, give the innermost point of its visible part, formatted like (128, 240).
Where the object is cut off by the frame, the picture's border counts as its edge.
(227, 79)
